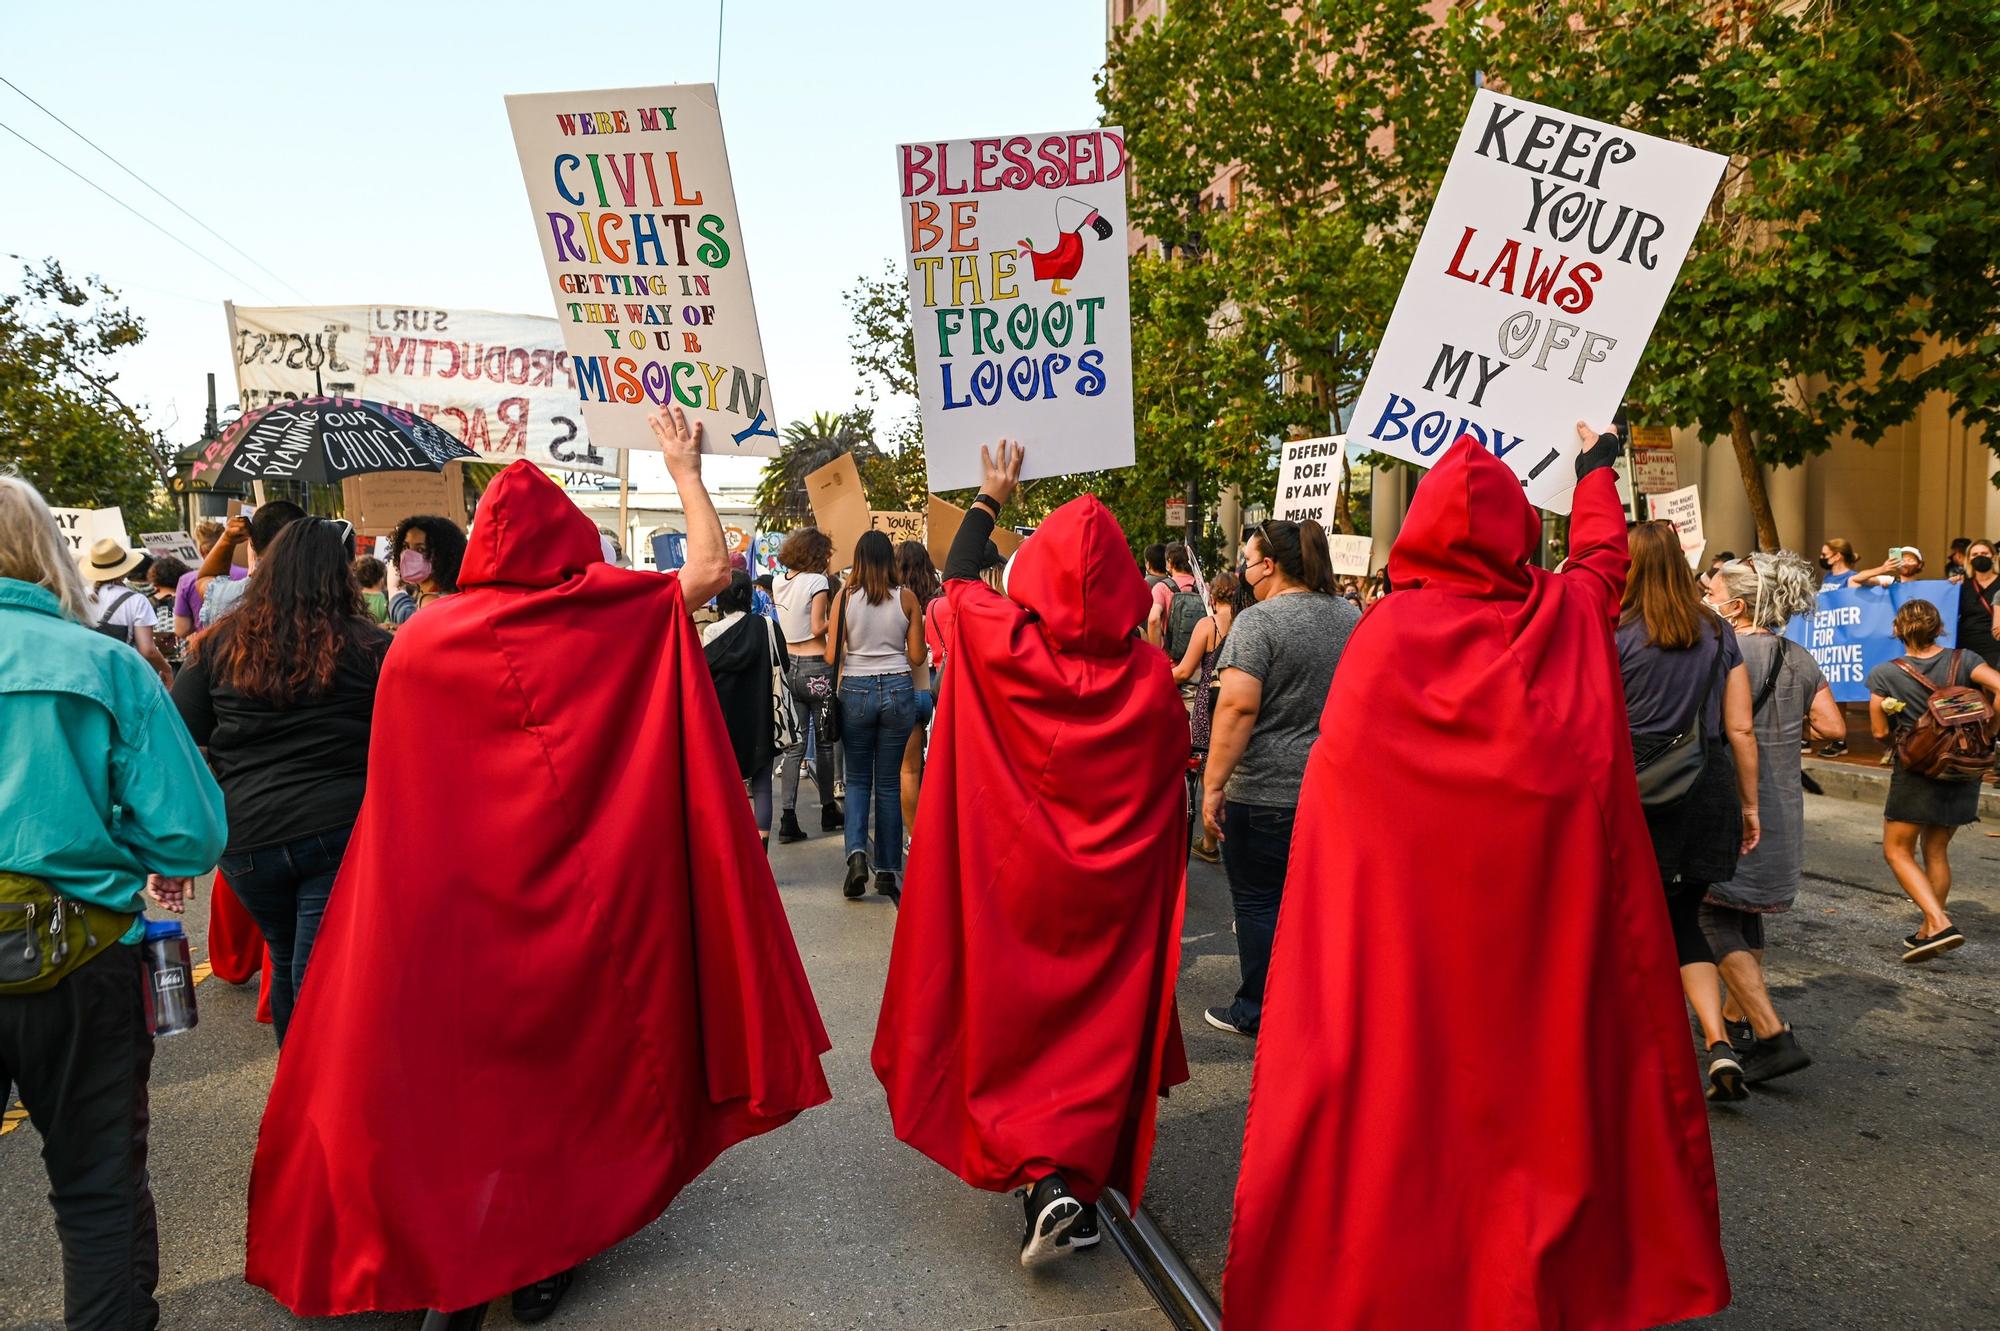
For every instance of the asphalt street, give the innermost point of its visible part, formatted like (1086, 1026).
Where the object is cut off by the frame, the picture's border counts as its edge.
(1863, 1192)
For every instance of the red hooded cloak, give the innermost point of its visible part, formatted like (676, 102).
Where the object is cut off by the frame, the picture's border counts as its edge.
(1028, 1024)
(555, 980)
(1475, 1101)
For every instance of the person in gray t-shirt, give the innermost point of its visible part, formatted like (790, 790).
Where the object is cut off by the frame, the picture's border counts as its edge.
(1276, 667)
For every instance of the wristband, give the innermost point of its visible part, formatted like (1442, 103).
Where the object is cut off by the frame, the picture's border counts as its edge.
(983, 498)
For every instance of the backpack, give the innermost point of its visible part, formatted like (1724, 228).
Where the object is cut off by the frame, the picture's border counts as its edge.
(122, 632)
(1183, 613)
(1953, 737)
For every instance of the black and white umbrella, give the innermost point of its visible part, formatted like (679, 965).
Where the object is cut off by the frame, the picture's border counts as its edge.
(327, 439)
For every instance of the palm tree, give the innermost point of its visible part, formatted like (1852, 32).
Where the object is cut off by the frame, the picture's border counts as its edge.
(809, 445)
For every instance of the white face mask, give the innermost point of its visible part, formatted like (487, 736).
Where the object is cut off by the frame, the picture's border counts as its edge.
(1718, 608)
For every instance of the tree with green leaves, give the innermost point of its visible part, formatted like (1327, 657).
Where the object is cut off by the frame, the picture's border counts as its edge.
(808, 445)
(1325, 126)
(63, 424)
(1849, 265)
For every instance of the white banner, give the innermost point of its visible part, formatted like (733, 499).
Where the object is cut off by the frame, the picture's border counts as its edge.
(1019, 300)
(1552, 246)
(500, 383)
(633, 205)
(1309, 479)
(178, 544)
(1682, 507)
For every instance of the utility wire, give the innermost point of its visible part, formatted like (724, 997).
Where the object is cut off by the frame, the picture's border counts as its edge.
(719, 4)
(106, 154)
(234, 277)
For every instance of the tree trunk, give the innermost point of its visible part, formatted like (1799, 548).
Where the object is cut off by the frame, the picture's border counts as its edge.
(1753, 480)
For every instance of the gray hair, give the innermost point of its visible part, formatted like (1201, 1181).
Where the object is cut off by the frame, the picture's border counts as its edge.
(32, 547)
(1774, 588)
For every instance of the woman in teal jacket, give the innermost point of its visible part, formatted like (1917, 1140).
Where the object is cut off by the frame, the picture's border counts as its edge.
(105, 799)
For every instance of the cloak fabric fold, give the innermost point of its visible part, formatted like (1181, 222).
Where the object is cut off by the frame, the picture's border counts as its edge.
(236, 948)
(555, 979)
(1028, 1025)
(1475, 1103)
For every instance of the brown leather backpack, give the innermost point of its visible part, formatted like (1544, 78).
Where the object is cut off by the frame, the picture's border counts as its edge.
(1953, 737)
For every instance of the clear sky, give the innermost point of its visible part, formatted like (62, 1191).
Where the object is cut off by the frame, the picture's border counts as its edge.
(361, 151)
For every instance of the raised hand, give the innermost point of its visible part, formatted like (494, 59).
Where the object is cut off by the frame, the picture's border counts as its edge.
(681, 445)
(1002, 467)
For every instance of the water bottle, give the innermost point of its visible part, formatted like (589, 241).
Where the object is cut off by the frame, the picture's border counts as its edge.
(170, 1006)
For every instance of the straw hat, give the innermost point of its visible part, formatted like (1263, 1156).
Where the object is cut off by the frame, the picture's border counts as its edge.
(108, 561)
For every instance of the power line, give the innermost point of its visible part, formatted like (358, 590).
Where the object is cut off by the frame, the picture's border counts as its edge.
(234, 277)
(719, 4)
(106, 154)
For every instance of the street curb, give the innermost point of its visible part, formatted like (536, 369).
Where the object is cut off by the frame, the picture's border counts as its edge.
(1850, 781)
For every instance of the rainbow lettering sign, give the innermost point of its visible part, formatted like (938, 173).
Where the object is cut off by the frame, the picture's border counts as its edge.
(632, 202)
(1018, 300)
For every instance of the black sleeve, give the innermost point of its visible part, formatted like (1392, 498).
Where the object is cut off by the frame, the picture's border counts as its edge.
(193, 700)
(1604, 453)
(969, 546)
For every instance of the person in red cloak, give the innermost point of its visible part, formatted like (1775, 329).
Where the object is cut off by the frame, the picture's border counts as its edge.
(533, 1023)
(1475, 1101)
(1028, 1026)
(236, 950)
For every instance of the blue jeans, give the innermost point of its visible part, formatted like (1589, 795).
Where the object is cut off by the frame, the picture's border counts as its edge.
(1256, 848)
(285, 889)
(877, 713)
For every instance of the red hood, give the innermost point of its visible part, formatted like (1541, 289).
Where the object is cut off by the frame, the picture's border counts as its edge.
(1076, 573)
(528, 534)
(1470, 530)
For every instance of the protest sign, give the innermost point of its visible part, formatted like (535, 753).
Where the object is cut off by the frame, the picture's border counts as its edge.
(84, 527)
(376, 503)
(632, 201)
(1550, 249)
(1682, 507)
(1851, 630)
(941, 523)
(1309, 479)
(1018, 300)
(899, 527)
(501, 384)
(1353, 556)
(839, 506)
(172, 544)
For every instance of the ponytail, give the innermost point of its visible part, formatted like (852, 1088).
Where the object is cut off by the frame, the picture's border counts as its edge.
(1299, 550)
(1316, 557)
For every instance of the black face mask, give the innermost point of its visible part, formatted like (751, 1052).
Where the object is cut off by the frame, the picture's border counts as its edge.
(1826, 564)
(1982, 563)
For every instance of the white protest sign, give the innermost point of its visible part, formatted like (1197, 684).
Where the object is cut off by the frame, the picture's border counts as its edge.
(175, 544)
(1682, 507)
(1309, 479)
(1018, 300)
(633, 205)
(84, 527)
(501, 384)
(1352, 555)
(1550, 250)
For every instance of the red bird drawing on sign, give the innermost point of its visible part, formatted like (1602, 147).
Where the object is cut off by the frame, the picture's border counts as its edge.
(1060, 264)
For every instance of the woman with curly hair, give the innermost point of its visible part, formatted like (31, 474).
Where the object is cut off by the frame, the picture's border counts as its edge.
(1789, 700)
(281, 694)
(427, 552)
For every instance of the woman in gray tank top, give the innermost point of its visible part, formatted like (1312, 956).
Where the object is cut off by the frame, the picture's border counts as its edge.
(876, 638)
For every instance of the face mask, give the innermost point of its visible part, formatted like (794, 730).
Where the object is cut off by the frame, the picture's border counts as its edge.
(1719, 610)
(414, 565)
(1982, 563)
(1826, 564)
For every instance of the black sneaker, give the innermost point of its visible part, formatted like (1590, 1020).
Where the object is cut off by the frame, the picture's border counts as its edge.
(1051, 1214)
(1084, 1233)
(1725, 1074)
(1833, 748)
(788, 827)
(1218, 1017)
(1779, 1056)
(535, 1303)
(1939, 943)
(1741, 1033)
(856, 882)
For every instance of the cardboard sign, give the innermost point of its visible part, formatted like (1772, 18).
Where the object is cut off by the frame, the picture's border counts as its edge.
(1682, 507)
(501, 384)
(941, 524)
(632, 203)
(899, 527)
(174, 544)
(375, 504)
(1309, 479)
(1353, 556)
(84, 527)
(1550, 250)
(839, 506)
(1019, 300)
(1852, 630)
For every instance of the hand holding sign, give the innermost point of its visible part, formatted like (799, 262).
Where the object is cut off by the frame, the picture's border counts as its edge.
(1000, 467)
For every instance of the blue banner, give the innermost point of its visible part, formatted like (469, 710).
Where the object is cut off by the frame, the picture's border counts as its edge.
(1850, 632)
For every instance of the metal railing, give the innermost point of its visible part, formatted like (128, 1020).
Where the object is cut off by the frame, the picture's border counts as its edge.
(1159, 1266)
